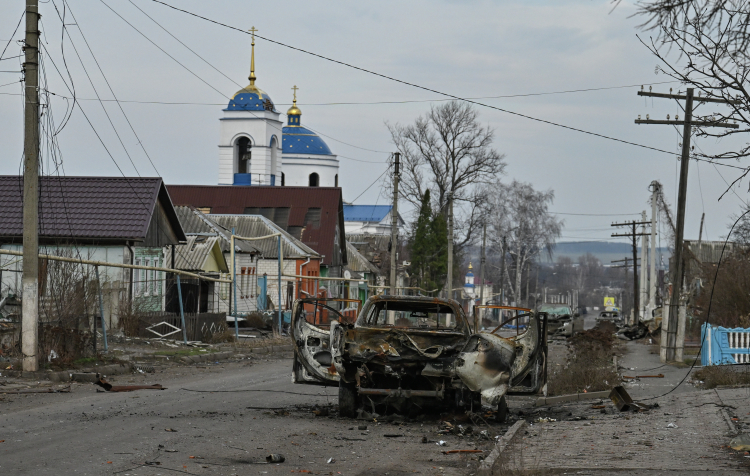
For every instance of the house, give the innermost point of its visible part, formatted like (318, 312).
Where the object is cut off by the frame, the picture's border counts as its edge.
(202, 254)
(312, 215)
(256, 262)
(370, 219)
(366, 274)
(124, 220)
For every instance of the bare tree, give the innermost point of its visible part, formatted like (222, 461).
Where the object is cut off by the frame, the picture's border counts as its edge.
(521, 214)
(448, 150)
(703, 44)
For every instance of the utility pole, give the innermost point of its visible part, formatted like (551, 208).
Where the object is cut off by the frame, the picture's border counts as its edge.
(450, 245)
(30, 276)
(652, 278)
(394, 224)
(626, 260)
(633, 236)
(502, 275)
(481, 275)
(644, 275)
(678, 272)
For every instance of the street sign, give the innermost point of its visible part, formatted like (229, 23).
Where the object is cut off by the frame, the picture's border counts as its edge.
(609, 301)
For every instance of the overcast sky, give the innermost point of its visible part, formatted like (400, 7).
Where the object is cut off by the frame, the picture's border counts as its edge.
(466, 48)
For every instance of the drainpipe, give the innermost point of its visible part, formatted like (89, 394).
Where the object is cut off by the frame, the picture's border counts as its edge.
(300, 272)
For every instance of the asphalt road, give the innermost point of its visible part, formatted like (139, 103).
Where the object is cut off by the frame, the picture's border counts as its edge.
(219, 419)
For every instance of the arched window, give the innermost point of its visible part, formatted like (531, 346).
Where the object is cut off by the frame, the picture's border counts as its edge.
(314, 180)
(336, 181)
(274, 165)
(243, 155)
(283, 179)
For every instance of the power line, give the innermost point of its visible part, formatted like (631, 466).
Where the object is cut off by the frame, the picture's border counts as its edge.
(369, 186)
(424, 88)
(596, 214)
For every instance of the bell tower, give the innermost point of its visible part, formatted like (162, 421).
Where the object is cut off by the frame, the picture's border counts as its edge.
(250, 138)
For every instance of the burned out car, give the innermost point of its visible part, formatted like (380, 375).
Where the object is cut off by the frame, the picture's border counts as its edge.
(410, 353)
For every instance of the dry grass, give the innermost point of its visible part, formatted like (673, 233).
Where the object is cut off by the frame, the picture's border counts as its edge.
(718, 375)
(589, 366)
(251, 343)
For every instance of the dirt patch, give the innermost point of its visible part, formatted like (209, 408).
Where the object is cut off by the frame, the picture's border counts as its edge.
(720, 375)
(589, 366)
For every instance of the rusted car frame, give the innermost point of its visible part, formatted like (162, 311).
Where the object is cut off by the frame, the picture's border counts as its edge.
(412, 352)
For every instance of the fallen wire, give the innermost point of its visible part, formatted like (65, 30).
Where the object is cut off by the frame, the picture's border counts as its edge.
(717, 404)
(255, 390)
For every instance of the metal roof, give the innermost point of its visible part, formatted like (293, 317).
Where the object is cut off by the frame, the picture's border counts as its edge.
(193, 221)
(193, 255)
(358, 263)
(313, 215)
(369, 213)
(252, 226)
(93, 209)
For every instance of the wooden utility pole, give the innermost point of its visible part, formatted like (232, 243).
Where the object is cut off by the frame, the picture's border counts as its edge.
(678, 272)
(394, 224)
(30, 276)
(633, 236)
(481, 276)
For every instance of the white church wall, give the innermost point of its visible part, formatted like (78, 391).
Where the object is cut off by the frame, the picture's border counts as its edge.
(261, 127)
(297, 169)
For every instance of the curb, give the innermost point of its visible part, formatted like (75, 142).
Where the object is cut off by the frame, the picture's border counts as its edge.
(542, 401)
(485, 467)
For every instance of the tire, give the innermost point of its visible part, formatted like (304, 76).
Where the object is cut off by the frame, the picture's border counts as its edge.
(347, 400)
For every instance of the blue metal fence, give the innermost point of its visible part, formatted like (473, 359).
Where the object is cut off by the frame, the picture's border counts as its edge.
(724, 346)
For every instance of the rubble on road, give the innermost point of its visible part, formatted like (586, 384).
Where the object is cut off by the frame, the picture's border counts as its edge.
(624, 403)
(125, 388)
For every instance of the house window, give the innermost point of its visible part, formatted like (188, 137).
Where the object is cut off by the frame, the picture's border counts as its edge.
(314, 180)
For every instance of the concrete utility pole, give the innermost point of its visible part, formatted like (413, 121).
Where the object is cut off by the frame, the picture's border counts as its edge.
(652, 257)
(644, 275)
(668, 352)
(502, 275)
(394, 224)
(449, 281)
(481, 275)
(30, 276)
(633, 236)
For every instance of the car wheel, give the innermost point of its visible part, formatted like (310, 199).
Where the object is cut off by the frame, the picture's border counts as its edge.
(347, 400)
(502, 410)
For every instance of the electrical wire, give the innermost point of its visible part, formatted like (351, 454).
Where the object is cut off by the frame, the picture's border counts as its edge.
(14, 34)
(708, 311)
(424, 88)
(369, 186)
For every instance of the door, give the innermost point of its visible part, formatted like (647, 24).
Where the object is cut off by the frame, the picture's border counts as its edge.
(312, 322)
(494, 365)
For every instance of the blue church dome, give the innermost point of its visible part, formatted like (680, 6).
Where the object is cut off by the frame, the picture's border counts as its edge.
(300, 140)
(250, 98)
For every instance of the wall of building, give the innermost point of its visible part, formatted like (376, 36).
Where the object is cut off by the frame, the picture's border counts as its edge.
(297, 170)
(260, 127)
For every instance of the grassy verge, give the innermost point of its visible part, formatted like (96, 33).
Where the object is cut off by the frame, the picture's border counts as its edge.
(718, 375)
(589, 366)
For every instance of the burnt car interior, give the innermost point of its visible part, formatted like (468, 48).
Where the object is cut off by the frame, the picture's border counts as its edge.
(411, 353)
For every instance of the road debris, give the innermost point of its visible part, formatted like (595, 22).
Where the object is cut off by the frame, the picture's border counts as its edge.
(740, 442)
(442, 443)
(450, 452)
(171, 430)
(275, 458)
(330, 461)
(126, 388)
(672, 425)
(643, 376)
(623, 402)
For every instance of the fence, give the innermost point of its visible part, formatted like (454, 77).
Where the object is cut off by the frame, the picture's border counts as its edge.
(200, 326)
(724, 346)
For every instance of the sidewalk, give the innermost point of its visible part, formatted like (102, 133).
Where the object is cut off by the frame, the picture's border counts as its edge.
(685, 434)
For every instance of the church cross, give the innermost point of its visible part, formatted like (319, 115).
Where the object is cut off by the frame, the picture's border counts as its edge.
(295, 88)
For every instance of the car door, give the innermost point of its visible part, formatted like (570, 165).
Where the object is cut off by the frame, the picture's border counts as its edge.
(312, 323)
(495, 366)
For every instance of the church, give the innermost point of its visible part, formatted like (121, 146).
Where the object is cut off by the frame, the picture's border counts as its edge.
(256, 148)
